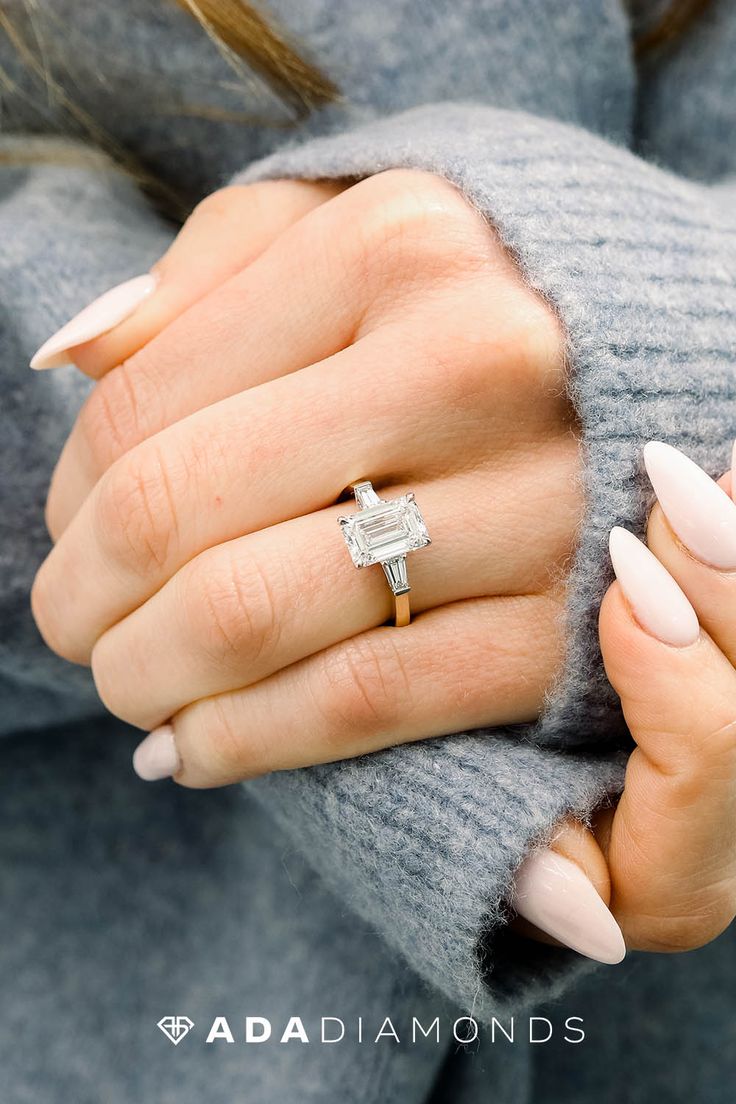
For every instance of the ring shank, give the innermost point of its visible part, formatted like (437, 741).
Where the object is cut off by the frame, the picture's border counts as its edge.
(402, 610)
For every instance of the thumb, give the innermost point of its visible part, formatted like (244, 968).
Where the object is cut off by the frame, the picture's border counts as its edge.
(224, 233)
(562, 892)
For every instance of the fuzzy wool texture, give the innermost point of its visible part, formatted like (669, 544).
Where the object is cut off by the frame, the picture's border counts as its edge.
(651, 324)
(379, 883)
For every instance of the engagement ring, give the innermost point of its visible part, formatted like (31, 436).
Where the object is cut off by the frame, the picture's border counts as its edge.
(382, 532)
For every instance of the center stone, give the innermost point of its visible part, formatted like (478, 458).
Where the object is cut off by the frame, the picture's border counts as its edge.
(384, 531)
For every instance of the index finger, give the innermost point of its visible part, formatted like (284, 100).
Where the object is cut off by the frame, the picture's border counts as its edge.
(223, 234)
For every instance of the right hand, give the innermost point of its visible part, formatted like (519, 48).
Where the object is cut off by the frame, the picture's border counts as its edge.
(664, 859)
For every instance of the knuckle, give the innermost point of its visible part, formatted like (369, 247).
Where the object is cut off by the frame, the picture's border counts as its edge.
(42, 608)
(221, 204)
(135, 512)
(460, 377)
(226, 753)
(364, 688)
(536, 336)
(106, 666)
(699, 926)
(57, 512)
(52, 617)
(234, 605)
(523, 350)
(102, 673)
(111, 421)
(416, 223)
(530, 333)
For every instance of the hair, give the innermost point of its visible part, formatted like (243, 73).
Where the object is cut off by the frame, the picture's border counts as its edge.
(238, 27)
(243, 34)
(251, 43)
(672, 25)
(240, 31)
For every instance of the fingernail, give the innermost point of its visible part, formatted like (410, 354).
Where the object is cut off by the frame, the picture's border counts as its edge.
(659, 605)
(733, 471)
(156, 757)
(553, 893)
(700, 512)
(111, 308)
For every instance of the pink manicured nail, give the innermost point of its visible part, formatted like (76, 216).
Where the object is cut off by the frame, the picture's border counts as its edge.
(156, 757)
(553, 893)
(700, 512)
(659, 605)
(104, 313)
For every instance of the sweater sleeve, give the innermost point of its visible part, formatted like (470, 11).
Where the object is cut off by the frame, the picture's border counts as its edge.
(640, 265)
(423, 841)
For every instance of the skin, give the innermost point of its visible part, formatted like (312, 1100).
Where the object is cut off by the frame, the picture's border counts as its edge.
(198, 566)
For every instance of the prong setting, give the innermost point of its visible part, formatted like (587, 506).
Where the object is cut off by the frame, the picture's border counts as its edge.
(383, 532)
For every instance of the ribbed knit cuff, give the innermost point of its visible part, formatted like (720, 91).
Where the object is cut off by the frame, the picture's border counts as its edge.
(423, 841)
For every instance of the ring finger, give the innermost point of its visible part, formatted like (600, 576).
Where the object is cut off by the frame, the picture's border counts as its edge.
(263, 456)
(244, 609)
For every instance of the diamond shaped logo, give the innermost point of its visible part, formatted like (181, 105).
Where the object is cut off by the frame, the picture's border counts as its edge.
(175, 1028)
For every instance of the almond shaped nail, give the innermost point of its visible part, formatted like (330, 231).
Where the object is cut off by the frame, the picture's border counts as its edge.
(101, 315)
(699, 511)
(156, 757)
(554, 894)
(658, 603)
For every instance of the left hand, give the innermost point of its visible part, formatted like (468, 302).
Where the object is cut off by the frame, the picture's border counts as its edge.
(301, 338)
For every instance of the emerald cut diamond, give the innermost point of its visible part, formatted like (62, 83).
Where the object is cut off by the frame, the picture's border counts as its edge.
(384, 531)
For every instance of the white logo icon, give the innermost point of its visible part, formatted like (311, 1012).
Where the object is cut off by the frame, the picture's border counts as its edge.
(175, 1028)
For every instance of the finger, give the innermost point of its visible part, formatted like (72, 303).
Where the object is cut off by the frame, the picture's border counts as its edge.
(225, 232)
(158, 366)
(561, 892)
(692, 531)
(672, 848)
(244, 609)
(261, 457)
(454, 668)
(343, 273)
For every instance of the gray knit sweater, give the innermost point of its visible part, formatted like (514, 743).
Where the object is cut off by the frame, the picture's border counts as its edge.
(374, 887)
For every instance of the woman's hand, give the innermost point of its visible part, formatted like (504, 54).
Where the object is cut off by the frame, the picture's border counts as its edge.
(301, 338)
(665, 857)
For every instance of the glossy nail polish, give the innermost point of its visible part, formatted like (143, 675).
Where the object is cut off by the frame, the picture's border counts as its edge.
(699, 511)
(156, 757)
(554, 894)
(103, 314)
(657, 602)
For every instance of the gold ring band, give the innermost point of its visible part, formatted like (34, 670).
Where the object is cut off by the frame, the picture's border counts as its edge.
(402, 610)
